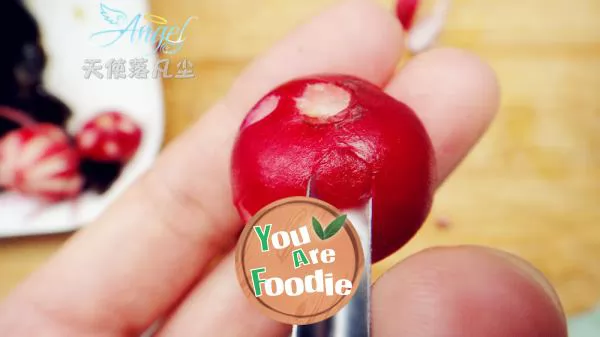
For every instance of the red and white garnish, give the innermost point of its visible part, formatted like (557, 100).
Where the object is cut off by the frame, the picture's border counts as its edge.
(39, 161)
(423, 34)
(109, 137)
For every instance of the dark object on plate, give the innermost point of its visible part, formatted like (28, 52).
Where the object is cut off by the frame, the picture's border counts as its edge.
(99, 176)
(22, 63)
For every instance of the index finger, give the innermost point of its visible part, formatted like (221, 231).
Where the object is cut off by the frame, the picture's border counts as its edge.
(141, 256)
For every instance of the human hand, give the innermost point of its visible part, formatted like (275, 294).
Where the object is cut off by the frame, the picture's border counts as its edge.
(155, 254)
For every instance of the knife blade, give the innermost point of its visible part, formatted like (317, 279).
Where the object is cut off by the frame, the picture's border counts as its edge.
(354, 320)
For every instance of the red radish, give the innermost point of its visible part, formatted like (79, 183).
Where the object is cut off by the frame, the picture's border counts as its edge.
(405, 11)
(109, 137)
(353, 139)
(38, 160)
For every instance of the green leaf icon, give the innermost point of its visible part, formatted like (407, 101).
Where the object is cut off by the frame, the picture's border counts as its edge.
(318, 229)
(331, 229)
(335, 226)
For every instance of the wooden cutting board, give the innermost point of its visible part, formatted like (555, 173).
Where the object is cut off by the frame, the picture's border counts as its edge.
(532, 186)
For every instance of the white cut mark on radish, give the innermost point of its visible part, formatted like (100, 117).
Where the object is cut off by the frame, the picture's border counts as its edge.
(106, 122)
(424, 33)
(88, 138)
(111, 148)
(126, 126)
(323, 100)
(55, 185)
(74, 184)
(266, 107)
(57, 135)
(47, 167)
(34, 150)
(361, 149)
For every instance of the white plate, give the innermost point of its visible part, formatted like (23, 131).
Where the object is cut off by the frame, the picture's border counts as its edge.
(66, 26)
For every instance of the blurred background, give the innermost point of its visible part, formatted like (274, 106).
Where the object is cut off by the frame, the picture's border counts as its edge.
(531, 186)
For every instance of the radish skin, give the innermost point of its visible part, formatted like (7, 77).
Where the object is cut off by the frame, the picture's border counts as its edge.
(353, 139)
(405, 11)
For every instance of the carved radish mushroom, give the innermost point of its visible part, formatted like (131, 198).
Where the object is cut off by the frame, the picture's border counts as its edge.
(109, 137)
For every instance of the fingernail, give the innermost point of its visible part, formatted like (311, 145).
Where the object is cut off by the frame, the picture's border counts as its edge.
(531, 272)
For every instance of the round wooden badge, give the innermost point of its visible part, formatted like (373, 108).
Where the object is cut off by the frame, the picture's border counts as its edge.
(299, 260)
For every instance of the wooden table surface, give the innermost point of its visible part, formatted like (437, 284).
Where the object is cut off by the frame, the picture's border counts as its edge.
(531, 186)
